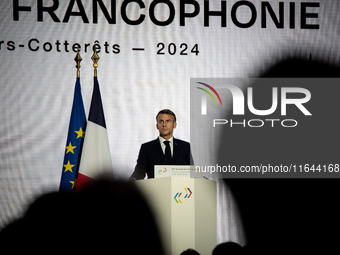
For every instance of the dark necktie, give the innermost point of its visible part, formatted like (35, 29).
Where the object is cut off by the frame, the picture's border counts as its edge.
(167, 152)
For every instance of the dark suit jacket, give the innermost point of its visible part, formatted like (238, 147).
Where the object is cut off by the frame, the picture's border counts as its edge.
(151, 154)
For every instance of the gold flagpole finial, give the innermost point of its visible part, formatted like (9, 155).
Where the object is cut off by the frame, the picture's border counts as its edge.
(95, 59)
(78, 59)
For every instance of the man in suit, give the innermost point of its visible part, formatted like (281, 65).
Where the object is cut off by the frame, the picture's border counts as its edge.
(164, 150)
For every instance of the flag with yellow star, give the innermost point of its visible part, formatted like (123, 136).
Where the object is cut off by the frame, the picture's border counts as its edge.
(74, 143)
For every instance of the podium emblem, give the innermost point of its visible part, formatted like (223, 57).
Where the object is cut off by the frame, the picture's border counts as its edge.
(162, 171)
(177, 197)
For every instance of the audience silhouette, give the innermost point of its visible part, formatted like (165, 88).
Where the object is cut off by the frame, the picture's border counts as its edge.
(190, 252)
(101, 218)
(227, 248)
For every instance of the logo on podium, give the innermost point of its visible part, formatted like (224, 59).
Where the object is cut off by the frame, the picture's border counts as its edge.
(177, 197)
(162, 171)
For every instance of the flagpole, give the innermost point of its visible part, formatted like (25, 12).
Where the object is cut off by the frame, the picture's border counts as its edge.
(95, 58)
(75, 136)
(96, 156)
(78, 59)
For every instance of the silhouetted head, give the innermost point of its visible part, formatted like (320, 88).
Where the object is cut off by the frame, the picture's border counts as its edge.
(227, 248)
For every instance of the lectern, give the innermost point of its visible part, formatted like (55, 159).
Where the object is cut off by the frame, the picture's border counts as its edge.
(185, 210)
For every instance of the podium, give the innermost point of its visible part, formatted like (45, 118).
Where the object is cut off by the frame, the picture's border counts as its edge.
(185, 211)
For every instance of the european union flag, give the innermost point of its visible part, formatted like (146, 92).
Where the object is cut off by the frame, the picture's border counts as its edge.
(75, 138)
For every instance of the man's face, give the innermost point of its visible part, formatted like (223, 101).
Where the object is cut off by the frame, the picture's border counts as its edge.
(166, 125)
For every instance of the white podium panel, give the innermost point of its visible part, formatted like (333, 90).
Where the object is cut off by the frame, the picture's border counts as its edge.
(185, 210)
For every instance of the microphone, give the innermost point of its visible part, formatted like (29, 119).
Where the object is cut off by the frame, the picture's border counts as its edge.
(167, 161)
(181, 160)
(164, 161)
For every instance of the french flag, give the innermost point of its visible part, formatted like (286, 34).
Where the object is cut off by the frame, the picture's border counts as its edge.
(96, 157)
